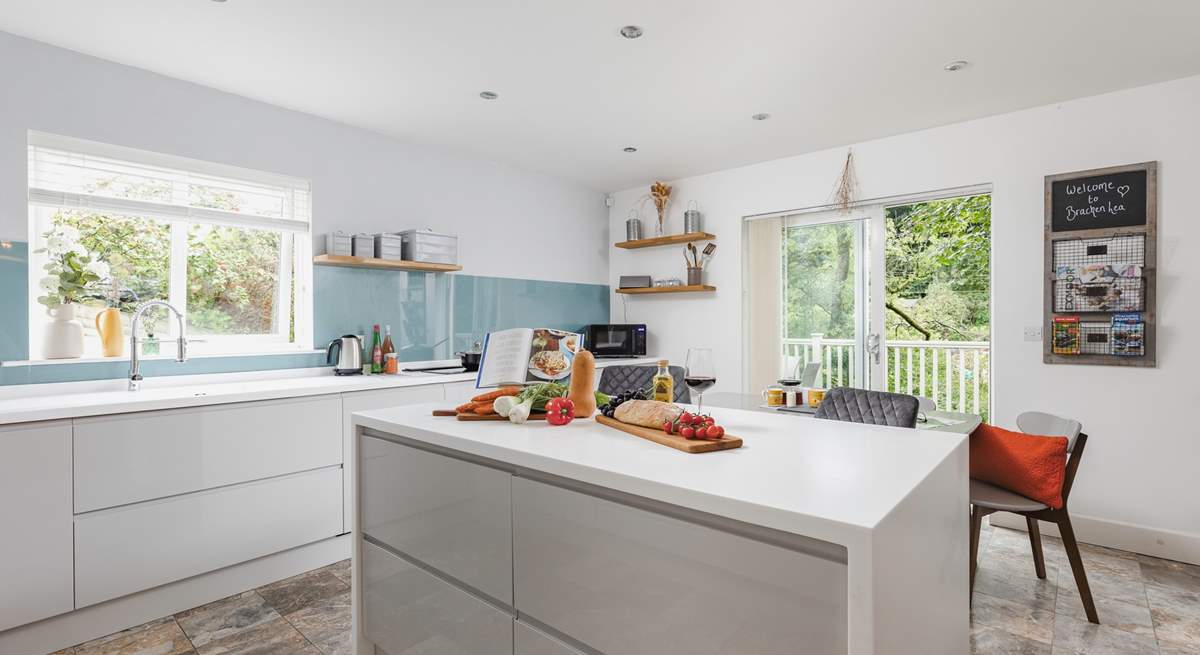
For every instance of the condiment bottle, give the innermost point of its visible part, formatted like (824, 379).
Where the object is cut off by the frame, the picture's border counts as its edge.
(391, 364)
(663, 383)
(376, 352)
(387, 343)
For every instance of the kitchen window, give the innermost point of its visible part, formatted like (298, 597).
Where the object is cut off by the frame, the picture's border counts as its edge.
(229, 247)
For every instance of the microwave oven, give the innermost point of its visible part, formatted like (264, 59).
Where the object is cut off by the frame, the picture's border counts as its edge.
(616, 340)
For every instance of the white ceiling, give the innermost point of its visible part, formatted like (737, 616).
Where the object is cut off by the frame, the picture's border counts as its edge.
(573, 93)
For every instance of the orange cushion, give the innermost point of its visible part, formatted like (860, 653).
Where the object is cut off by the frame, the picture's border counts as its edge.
(1030, 465)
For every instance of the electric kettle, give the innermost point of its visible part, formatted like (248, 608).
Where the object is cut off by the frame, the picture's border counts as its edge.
(349, 355)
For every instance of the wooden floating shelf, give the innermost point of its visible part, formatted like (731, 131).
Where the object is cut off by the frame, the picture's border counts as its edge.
(677, 289)
(667, 240)
(386, 264)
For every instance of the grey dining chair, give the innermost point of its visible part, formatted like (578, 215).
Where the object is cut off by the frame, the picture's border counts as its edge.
(988, 499)
(618, 378)
(869, 407)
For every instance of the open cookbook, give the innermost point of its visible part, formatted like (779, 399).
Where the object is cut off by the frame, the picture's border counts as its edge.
(526, 355)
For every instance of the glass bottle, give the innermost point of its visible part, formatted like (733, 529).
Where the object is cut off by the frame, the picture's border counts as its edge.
(376, 352)
(663, 383)
(388, 348)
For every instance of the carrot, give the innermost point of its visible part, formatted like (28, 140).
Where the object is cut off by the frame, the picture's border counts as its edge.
(484, 409)
(465, 407)
(492, 395)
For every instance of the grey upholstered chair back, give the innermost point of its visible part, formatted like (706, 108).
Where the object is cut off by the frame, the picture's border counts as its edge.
(1049, 425)
(870, 407)
(618, 378)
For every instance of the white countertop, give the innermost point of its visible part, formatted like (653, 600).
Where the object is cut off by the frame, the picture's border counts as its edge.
(43, 402)
(823, 479)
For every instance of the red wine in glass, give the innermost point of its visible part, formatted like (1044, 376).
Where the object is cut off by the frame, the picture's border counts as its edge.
(699, 375)
(699, 384)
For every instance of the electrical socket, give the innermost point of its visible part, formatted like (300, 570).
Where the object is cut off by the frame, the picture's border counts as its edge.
(1033, 333)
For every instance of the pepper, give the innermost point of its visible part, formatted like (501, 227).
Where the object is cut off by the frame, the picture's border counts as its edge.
(560, 411)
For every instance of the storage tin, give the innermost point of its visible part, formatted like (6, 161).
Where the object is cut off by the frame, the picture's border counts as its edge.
(364, 245)
(338, 243)
(428, 246)
(389, 246)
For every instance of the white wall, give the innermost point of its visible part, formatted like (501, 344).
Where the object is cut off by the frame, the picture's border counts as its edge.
(361, 181)
(1136, 487)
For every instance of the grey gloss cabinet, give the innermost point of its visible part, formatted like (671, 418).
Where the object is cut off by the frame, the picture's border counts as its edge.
(531, 641)
(407, 611)
(626, 580)
(452, 515)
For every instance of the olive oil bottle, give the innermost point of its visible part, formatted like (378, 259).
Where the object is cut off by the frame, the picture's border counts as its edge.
(663, 383)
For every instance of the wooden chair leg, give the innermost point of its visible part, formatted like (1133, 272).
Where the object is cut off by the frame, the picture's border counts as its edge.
(1072, 547)
(1035, 541)
(976, 525)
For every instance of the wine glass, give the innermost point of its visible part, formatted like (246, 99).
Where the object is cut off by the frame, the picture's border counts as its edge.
(700, 375)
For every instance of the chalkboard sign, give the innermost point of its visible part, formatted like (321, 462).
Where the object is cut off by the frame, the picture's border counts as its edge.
(1099, 201)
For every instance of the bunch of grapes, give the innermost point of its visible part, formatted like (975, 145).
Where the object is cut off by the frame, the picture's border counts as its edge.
(610, 409)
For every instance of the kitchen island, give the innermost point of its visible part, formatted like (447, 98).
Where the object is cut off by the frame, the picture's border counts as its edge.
(814, 537)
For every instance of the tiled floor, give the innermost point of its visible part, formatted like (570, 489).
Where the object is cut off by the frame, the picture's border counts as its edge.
(1146, 606)
(307, 615)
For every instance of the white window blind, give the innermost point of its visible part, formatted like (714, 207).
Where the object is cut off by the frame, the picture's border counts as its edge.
(74, 173)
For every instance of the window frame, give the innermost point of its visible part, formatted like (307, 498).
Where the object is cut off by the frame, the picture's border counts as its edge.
(293, 315)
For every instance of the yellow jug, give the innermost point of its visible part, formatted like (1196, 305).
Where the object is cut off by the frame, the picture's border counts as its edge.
(112, 340)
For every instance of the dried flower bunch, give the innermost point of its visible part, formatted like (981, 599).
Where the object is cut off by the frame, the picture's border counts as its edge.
(845, 192)
(661, 194)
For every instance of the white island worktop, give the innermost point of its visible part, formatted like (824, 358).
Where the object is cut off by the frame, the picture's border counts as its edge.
(889, 503)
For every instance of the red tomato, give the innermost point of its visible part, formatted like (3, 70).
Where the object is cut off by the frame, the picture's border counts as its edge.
(708, 420)
(560, 411)
(697, 420)
(687, 432)
(685, 418)
(668, 427)
(715, 432)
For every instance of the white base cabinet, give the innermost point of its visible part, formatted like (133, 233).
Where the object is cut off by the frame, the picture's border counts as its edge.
(131, 548)
(35, 512)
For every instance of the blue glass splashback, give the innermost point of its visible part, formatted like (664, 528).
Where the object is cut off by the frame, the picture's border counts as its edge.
(432, 316)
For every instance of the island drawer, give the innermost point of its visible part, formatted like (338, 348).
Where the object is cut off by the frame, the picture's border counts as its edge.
(131, 458)
(614, 576)
(127, 549)
(408, 611)
(531, 641)
(453, 516)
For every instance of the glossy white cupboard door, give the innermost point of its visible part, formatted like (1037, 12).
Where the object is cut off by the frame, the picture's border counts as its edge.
(623, 580)
(35, 515)
(531, 641)
(452, 515)
(131, 458)
(407, 611)
(362, 401)
(127, 549)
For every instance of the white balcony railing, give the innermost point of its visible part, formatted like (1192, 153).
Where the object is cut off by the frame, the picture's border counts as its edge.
(955, 374)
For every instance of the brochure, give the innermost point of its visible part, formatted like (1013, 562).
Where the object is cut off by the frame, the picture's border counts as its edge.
(525, 356)
(1065, 335)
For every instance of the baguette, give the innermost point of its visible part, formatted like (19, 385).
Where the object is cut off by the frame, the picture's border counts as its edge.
(646, 413)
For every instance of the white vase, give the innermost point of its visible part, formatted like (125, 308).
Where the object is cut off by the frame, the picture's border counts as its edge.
(63, 338)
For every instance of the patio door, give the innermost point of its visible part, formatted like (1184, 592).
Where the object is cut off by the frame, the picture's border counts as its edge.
(832, 282)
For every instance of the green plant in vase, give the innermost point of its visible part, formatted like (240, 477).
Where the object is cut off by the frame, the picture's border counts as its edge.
(73, 276)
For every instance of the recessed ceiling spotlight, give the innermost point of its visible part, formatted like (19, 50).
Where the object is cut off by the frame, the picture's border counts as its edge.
(760, 117)
(631, 31)
(955, 66)
(489, 95)
(629, 149)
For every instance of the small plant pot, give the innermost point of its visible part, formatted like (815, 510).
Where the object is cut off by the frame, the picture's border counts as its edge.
(695, 276)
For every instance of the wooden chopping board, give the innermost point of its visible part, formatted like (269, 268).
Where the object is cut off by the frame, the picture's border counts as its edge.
(673, 440)
(536, 416)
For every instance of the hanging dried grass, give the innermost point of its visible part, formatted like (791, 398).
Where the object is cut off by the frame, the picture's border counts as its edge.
(845, 192)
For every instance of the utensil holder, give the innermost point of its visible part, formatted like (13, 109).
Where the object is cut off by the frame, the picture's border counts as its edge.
(694, 276)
